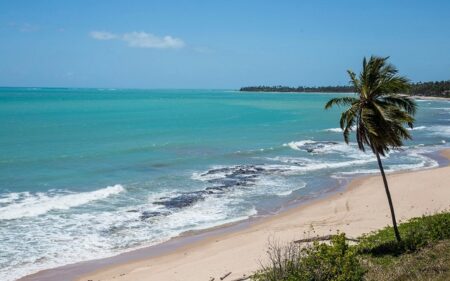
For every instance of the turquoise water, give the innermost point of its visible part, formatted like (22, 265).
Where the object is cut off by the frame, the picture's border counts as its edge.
(89, 173)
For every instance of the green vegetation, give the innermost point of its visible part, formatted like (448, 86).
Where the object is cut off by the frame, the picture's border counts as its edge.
(429, 263)
(423, 254)
(337, 261)
(378, 113)
(418, 232)
(426, 89)
(300, 89)
(431, 89)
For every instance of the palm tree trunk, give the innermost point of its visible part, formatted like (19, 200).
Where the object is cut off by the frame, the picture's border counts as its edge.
(388, 194)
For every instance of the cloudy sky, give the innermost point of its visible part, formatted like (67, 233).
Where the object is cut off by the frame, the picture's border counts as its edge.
(217, 44)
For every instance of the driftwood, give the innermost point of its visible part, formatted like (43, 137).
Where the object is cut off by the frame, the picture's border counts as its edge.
(225, 276)
(323, 238)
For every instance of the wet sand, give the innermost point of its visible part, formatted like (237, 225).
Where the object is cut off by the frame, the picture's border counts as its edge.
(239, 248)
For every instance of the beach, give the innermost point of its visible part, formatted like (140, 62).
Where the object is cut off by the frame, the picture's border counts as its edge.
(360, 209)
(136, 147)
(137, 174)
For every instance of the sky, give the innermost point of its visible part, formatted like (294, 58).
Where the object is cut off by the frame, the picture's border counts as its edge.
(217, 44)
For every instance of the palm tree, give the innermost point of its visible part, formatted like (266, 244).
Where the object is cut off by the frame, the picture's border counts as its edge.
(377, 113)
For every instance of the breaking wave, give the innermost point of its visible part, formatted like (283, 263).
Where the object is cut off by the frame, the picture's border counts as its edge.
(328, 147)
(26, 204)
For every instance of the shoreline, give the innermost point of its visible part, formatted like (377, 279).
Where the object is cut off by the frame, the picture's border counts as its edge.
(416, 97)
(76, 271)
(122, 266)
(430, 98)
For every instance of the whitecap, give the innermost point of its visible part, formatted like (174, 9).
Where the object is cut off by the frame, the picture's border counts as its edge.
(338, 130)
(329, 147)
(424, 163)
(31, 205)
(440, 130)
(418, 128)
(317, 165)
(334, 130)
(296, 145)
(441, 108)
(10, 197)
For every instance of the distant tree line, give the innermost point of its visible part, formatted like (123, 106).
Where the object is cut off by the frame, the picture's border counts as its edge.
(432, 89)
(435, 89)
(328, 89)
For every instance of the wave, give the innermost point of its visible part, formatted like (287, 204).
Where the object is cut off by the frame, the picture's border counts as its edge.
(328, 147)
(87, 235)
(436, 130)
(307, 165)
(441, 108)
(424, 163)
(297, 145)
(26, 204)
(334, 130)
(440, 130)
(418, 128)
(337, 130)
(242, 180)
(10, 197)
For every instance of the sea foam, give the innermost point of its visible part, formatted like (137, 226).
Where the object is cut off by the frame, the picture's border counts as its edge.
(328, 147)
(440, 130)
(30, 205)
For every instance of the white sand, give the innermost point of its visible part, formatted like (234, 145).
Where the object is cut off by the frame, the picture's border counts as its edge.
(360, 209)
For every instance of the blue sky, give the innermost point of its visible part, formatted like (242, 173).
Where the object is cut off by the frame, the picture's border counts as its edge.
(217, 44)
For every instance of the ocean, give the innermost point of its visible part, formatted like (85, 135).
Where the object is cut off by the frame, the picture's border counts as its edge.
(90, 173)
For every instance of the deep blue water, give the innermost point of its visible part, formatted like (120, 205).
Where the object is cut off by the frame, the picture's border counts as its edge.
(88, 173)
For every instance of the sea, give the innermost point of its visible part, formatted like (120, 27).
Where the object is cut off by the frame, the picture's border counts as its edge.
(91, 173)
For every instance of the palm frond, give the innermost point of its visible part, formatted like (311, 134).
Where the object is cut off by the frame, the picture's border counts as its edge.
(347, 121)
(341, 101)
(379, 113)
(405, 103)
(354, 81)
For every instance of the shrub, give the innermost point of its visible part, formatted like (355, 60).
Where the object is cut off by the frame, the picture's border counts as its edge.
(416, 233)
(423, 254)
(335, 261)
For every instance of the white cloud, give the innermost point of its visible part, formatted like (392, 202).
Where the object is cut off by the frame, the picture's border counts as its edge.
(141, 39)
(147, 40)
(102, 35)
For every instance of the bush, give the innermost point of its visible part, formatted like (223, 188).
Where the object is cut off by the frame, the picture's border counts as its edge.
(337, 261)
(423, 254)
(431, 263)
(416, 233)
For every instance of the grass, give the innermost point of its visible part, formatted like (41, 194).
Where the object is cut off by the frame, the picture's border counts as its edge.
(416, 233)
(423, 254)
(432, 262)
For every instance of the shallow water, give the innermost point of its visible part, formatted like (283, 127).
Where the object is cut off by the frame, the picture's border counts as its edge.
(89, 173)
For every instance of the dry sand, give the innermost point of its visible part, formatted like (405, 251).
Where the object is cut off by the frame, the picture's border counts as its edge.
(360, 209)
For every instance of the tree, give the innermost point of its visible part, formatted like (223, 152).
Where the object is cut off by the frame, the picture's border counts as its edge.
(378, 113)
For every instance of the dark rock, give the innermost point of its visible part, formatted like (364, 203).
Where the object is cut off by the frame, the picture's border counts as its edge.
(149, 214)
(182, 200)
